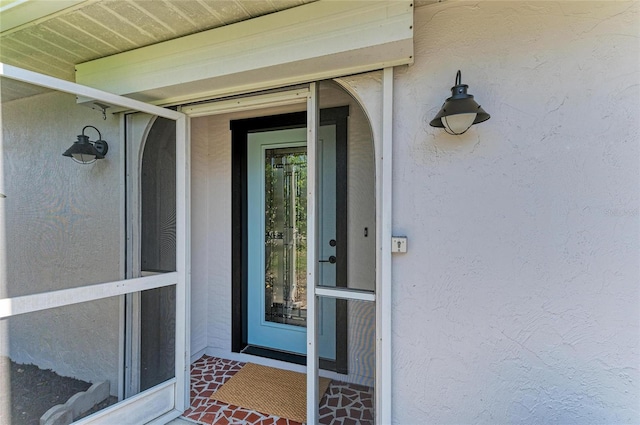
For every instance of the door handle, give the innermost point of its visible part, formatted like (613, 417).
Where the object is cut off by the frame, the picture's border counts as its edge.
(332, 259)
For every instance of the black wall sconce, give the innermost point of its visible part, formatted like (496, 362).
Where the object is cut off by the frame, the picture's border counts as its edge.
(84, 151)
(460, 111)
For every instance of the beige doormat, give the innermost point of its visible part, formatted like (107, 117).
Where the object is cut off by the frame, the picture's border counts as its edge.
(269, 390)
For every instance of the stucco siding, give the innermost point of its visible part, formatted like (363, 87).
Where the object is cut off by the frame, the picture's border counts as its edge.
(517, 301)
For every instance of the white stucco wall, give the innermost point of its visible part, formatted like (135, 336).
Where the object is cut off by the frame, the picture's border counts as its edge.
(518, 300)
(61, 225)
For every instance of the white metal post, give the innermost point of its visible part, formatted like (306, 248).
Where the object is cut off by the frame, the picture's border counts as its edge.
(122, 325)
(383, 283)
(132, 161)
(183, 244)
(312, 263)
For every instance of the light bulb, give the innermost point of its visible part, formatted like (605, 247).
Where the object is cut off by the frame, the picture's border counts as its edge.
(458, 124)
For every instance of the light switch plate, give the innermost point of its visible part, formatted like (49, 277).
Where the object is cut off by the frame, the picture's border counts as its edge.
(398, 244)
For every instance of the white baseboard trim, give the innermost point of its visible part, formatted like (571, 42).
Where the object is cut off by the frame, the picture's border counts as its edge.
(195, 356)
(248, 358)
(166, 418)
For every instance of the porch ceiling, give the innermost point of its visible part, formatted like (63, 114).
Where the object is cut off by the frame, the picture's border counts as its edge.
(51, 37)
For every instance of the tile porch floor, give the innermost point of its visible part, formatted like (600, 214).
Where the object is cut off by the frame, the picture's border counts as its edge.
(342, 404)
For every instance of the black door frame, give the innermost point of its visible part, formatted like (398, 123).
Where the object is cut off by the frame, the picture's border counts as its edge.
(337, 116)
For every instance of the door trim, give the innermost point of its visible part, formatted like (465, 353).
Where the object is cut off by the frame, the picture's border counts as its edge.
(331, 116)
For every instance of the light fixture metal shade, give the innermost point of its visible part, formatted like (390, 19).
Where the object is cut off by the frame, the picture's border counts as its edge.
(83, 147)
(459, 103)
(85, 151)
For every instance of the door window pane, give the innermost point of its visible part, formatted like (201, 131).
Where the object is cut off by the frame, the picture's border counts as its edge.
(353, 245)
(350, 396)
(286, 235)
(60, 222)
(48, 356)
(158, 183)
(158, 253)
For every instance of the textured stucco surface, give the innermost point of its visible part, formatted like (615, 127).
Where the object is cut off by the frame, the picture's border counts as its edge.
(518, 301)
(60, 228)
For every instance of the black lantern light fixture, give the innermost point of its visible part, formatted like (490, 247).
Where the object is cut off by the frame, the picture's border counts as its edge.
(84, 151)
(460, 111)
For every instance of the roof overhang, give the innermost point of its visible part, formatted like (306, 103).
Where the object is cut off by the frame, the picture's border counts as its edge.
(315, 41)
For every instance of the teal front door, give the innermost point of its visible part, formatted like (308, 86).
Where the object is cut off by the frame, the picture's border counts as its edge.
(277, 239)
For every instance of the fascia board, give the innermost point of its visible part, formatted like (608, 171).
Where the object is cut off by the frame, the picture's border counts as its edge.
(306, 33)
(305, 71)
